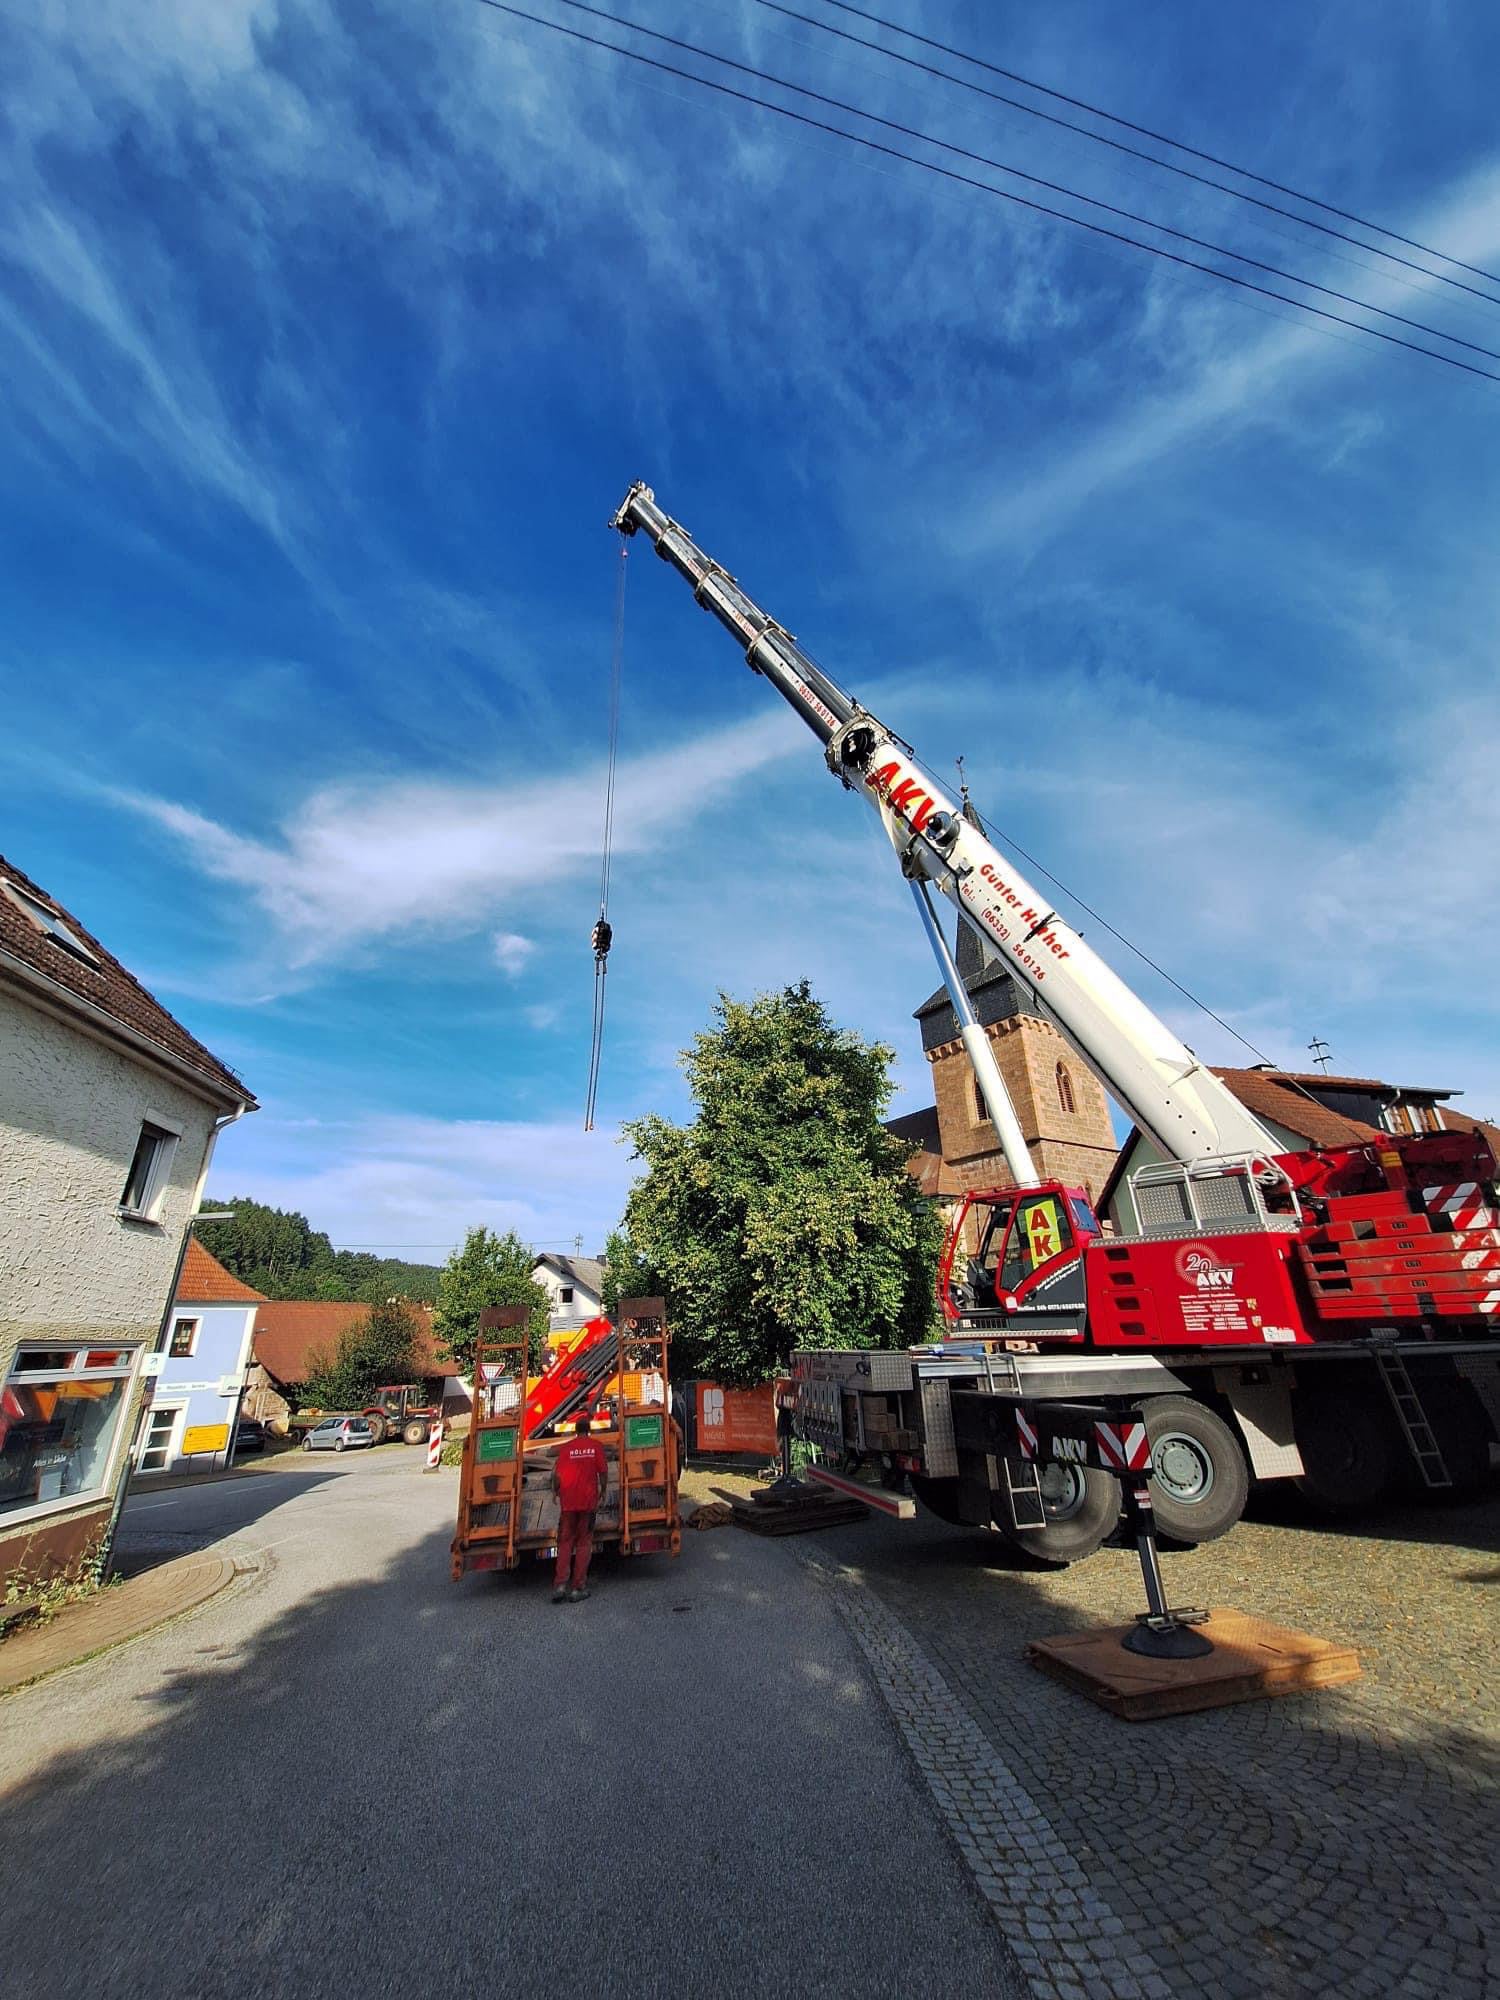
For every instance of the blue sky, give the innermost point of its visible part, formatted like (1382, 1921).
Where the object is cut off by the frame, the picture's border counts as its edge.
(335, 329)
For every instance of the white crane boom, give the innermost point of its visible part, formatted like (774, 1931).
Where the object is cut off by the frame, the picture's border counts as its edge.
(1176, 1101)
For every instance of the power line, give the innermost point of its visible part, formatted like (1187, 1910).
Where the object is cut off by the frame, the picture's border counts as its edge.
(1145, 131)
(1019, 173)
(982, 187)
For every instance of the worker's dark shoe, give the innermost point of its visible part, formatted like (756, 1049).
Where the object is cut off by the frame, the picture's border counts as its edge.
(560, 1593)
(576, 1596)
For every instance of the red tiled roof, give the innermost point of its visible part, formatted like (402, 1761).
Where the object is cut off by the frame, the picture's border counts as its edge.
(1274, 1094)
(104, 984)
(288, 1332)
(205, 1282)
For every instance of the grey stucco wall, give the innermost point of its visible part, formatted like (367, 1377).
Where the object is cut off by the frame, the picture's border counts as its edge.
(70, 1114)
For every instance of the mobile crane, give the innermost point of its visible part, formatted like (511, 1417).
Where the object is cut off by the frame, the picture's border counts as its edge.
(1322, 1316)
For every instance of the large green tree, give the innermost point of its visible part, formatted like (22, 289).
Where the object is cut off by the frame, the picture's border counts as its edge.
(783, 1216)
(376, 1347)
(489, 1270)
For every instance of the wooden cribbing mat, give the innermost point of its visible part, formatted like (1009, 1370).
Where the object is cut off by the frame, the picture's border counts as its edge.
(1251, 1660)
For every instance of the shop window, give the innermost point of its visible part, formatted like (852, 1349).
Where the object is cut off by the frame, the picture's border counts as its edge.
(149, 1167)
(1065, 1088)
(60, 1414)
(184, 1339)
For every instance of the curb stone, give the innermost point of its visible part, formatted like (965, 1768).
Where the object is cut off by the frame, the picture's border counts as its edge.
(1068, 1940)
(127, 1612)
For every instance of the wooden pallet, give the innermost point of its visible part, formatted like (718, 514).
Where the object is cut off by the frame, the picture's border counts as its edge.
(819, 1509)
(1250, 1661)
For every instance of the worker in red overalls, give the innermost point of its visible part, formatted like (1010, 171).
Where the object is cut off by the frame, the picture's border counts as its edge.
(580, 1473)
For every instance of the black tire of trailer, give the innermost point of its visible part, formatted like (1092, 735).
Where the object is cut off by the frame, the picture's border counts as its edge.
(1199, 1479)
(1462, 1431)
(1349, 1445)
(1092, 1503)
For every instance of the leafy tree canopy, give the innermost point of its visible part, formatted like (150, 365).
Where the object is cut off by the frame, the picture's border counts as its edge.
(281, 1254)
(783, 1215)
(489, 1270)
(378, 1346)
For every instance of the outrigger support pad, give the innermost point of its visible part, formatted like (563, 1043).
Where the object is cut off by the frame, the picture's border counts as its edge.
(1160, 1633)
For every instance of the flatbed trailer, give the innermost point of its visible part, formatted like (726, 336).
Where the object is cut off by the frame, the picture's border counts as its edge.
(507, 1511)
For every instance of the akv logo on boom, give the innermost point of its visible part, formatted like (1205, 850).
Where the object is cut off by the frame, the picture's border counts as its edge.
(1198, 1265)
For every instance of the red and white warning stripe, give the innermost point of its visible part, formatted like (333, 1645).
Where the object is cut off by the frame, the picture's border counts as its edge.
(1465, 1203)
(1026, 1431)
(1123, 1447)
(435, 1445)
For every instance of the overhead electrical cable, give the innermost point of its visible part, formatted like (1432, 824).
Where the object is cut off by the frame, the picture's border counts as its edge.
(1145, 131)
(984, 187)
(1020, 173)
(602, 935)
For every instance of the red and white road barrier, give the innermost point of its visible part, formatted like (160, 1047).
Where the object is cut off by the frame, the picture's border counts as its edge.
(435, 1446)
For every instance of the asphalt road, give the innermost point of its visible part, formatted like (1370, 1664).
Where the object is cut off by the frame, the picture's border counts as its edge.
(348, 1773)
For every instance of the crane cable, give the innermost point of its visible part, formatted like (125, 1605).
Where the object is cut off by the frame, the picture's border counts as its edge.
(602, 935)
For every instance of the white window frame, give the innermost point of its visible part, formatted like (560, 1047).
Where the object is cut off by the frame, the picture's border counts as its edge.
(37, 910)
(180, 1320)
(174, 1435)
(160, 1174)
(127, 1371)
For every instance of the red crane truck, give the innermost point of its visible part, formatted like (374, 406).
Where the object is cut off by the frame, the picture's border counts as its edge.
(1324, 1316)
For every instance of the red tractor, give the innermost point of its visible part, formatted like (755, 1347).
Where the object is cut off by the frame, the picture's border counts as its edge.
(401, 1409)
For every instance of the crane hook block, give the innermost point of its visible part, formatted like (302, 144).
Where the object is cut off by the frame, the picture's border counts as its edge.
(602, 937)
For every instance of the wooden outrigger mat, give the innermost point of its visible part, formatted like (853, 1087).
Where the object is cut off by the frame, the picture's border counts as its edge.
(1251, 1660)
(812, 1509)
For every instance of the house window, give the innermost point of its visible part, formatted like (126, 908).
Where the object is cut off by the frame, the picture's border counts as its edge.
(565, 1295)
(60, 1412)
(1065, 1088)
(148, 1171)
(156, 1445)
(47, 919)
(184, 1339)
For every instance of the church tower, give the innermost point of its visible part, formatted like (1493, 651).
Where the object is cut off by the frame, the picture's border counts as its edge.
(1061, 1105)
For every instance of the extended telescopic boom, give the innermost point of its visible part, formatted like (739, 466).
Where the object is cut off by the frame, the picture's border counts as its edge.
(1154, 1077)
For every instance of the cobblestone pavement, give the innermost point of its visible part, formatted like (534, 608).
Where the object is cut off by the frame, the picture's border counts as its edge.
(1333, 1844)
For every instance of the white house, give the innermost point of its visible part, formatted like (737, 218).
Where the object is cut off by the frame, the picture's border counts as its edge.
(195, 1404)
(109, 1110)
(574, 1288)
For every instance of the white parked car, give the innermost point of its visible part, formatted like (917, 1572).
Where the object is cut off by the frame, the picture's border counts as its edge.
(339, 1434)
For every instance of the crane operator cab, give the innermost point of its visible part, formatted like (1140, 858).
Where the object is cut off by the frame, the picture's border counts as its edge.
(1019, 1253)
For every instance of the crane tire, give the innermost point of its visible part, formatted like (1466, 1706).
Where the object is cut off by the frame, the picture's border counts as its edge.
(1348, 1446)
(1199, 1479)
(1083, 1508)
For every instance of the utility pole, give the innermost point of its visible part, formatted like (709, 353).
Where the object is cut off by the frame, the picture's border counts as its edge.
(1320, 1054)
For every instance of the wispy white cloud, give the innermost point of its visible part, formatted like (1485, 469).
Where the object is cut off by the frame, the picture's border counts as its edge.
(412, 857)
(513, 952)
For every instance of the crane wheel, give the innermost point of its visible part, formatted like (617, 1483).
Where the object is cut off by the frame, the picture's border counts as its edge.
(1199, 1479)
(1348, 1446)
(1082, 1508)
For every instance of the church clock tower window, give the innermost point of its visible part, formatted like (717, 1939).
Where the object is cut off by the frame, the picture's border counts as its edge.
(1065, 1088)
